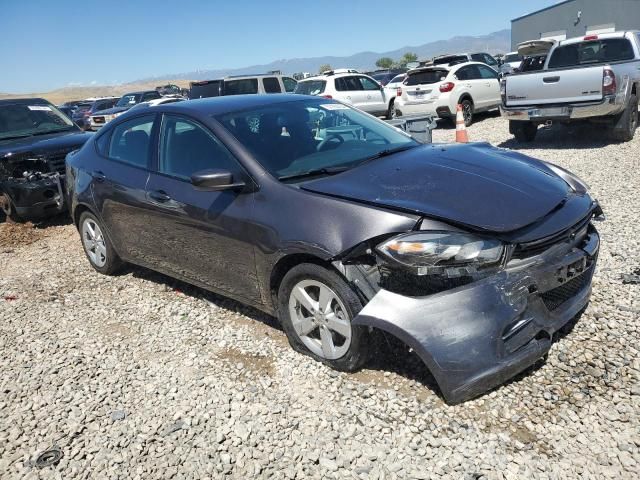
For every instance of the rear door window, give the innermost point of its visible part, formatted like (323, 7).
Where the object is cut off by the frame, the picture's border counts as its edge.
(271, 85)
(345, 84)
(468, 73)
(486, 72)
(368, 84)
(241, 87)
(130, 141)
(591, 52)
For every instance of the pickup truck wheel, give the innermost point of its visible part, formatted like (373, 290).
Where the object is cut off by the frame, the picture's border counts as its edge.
(626, 123)
(7, 208)
(523, 131)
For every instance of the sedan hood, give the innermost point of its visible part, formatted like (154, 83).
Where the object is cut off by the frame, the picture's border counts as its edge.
(111, 111)
(474, 185)
(38, 144)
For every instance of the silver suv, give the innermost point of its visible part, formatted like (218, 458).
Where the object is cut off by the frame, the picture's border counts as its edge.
(242, 84)
(348, 86)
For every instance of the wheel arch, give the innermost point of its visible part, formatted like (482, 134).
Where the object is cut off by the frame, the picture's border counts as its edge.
(466, 96)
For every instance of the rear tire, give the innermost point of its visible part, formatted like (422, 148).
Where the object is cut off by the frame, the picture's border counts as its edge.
(625, 125)
(525, 132)
(391, 112)
(323, 332)
(97, 245)
(467, 111)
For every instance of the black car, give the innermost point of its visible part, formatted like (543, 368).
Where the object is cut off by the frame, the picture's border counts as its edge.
(385, 76)
(35, 138)
(84, 110)
(340, 224)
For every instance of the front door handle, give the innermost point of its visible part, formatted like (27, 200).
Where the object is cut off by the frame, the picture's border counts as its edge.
(98, 176)
(551, 79)
(159, 196)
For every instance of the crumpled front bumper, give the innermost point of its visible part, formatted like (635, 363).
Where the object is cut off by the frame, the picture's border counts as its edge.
(36, 198)
(473, 338)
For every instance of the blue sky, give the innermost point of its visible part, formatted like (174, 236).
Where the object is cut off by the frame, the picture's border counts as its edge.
(48, 44)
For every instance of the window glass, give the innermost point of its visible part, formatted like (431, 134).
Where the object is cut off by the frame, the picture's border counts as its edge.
(311, 87)
(297, 136)
(23, 120)
(368, 84)
(186, 148)
(102, 143)
(289, 84)
(241, 87)
(130, 141)
(271, 85)
(129, 100)
(486, 72)
(467, 73)
(477, 57)
(590, 52)
(150, 96)
(426, 77)
(345, 84)
(489, 60)
(532, 64)
(450, 59)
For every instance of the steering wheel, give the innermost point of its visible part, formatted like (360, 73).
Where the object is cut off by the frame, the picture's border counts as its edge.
(327, 139)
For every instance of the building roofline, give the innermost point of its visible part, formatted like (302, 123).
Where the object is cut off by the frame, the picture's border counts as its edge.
(541, 10)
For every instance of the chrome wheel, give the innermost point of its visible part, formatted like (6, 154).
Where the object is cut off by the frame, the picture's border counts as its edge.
(320, 319)
(467, 113)
(93, 242)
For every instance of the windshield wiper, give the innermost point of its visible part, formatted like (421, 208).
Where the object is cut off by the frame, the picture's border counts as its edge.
(315, 172)
(386, 153)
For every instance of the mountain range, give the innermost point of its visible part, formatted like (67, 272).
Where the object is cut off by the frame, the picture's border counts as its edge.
(497, 42)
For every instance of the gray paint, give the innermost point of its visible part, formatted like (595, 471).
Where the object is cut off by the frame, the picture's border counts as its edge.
(625, 14)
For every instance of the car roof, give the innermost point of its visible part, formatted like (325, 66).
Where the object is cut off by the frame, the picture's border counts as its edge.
(232, 103)
(20, 101)
(139, 91)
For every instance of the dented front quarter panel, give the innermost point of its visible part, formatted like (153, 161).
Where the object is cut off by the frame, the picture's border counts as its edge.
(473, 338)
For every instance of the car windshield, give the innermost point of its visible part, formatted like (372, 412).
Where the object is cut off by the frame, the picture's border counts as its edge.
(312, 136)
(398, 78)
(24, 120)
(310, 87)
(426, 77)
(512, 57)
(129, 99)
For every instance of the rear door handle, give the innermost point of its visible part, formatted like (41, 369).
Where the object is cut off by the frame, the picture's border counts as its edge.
(159, 196)
(98, 176)
(555, 79)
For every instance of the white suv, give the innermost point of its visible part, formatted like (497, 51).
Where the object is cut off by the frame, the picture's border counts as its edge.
(437, 90)
(348, 86)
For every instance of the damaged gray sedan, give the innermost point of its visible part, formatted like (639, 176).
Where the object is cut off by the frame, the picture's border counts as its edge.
(340, 225)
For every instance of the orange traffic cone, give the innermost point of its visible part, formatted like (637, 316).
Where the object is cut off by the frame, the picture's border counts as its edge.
(461, 129)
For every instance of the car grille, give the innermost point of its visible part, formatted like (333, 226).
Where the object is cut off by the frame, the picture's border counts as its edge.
(56, 159)
(554, 298)
(577, 232)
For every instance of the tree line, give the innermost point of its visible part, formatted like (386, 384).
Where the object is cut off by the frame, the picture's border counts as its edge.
(384, 62)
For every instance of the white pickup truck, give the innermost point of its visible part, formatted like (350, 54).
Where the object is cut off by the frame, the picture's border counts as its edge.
(594, 78)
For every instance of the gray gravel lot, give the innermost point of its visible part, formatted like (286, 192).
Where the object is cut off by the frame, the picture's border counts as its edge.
(138, 376)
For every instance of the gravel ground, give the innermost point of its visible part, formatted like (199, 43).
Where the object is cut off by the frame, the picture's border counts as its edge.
(138, 376)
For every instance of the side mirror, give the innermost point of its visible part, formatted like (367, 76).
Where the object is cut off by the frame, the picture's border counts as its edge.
(215, 180)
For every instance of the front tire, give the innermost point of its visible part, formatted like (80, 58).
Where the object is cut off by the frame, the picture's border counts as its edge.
(97, 246)
(391, 111)
(8, 209)
(626, 123)
(315, 308)
(467, 112)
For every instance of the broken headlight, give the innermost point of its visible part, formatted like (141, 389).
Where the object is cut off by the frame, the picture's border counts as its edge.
(435, 252)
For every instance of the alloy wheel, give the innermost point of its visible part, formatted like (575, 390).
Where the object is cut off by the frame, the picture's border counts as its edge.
(320, 319)
(467, 112)
(94, 243)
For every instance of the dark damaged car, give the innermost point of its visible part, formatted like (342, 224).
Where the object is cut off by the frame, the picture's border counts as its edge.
(35, 138)
(340, 224)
